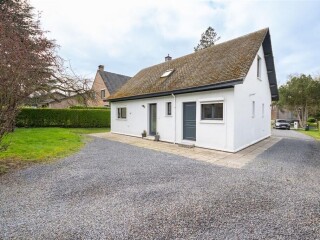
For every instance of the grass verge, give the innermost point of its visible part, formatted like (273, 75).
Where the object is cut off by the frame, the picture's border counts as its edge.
(29, 145)
(315, 133)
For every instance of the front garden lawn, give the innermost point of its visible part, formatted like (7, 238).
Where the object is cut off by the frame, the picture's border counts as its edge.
(27, 145)
(315, 133)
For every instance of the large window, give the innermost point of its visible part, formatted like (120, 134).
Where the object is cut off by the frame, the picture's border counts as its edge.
(122, 113)
(212, 111)
(259, 67)
(103, 93)
(168, 108)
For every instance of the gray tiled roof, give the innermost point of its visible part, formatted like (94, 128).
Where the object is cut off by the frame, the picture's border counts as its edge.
(217, 65)
(113, 81)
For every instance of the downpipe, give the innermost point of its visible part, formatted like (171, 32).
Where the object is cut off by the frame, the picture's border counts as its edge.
(174, 142)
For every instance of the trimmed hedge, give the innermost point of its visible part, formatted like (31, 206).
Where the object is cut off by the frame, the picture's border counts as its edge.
(83, 107)
(73, 118)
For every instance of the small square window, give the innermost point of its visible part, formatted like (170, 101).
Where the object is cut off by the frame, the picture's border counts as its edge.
(212, 111)
(168, 108)
(122, 113)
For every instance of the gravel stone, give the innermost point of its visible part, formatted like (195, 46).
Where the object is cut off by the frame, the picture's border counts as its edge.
(111, 190)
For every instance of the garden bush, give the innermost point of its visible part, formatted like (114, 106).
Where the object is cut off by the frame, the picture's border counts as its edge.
(77, 118)
(312, 120)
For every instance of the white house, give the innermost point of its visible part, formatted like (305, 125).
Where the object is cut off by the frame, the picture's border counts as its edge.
(217, 98)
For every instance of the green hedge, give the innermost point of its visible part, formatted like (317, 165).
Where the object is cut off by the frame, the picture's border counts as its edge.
(76, 118)
(83, 107)
(311, 120)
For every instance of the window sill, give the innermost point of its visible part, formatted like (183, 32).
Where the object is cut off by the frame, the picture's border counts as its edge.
(212, 121)
(168, 115)
(122, 119)
(259, 78)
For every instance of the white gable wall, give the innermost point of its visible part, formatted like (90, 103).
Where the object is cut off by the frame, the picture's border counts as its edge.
(209, 134)
(250, 129)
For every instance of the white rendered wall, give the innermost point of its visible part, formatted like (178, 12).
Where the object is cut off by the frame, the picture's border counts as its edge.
(249, 129)
(138, 118)
(209, 134)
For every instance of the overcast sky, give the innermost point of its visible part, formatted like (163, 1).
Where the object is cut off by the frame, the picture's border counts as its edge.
(127, 36)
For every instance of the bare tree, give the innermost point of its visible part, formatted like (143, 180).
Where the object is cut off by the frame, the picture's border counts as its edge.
(208, 38)
(29, 62)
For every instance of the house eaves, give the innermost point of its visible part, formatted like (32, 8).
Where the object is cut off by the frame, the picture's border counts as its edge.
(217, 86)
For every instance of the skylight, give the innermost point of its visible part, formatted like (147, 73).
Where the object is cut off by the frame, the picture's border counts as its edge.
(167, 73)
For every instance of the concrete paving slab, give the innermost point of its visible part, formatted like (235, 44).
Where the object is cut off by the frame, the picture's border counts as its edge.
(226, 159)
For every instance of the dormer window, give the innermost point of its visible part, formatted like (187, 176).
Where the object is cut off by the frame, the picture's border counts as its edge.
(167, 73)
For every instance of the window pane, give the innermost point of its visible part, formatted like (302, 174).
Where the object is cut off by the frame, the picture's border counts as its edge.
(123, 113)
(212, 111)
(207, 111)
(259, 67)
(103, 93)
(169, 108)
(218, 111)
(119, 112)
(253, 109)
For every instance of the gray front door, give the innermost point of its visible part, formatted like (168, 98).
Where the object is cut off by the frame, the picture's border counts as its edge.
(153, 119)
(189, 121)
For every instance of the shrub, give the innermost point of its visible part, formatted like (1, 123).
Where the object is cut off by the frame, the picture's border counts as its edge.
(312, 120)
(85, 118)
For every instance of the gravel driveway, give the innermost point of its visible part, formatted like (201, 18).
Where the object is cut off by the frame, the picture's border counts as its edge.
(290, 134)
(111, 190)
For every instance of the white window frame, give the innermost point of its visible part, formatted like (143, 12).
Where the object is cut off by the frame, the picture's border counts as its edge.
(167, 109)
(259, 67)
(120, 113)
(212, 120)
(262, 114)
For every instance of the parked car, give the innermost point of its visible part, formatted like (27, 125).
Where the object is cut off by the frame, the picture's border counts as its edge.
(282, 124)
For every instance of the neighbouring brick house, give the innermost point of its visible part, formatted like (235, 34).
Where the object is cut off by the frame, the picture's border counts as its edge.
(104, 84)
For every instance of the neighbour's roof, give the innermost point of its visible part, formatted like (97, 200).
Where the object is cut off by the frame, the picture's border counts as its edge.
(220, 66)
(113, 81)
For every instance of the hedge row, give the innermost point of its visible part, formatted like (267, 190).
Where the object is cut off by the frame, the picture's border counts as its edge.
(83, 107)
(29, 117)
